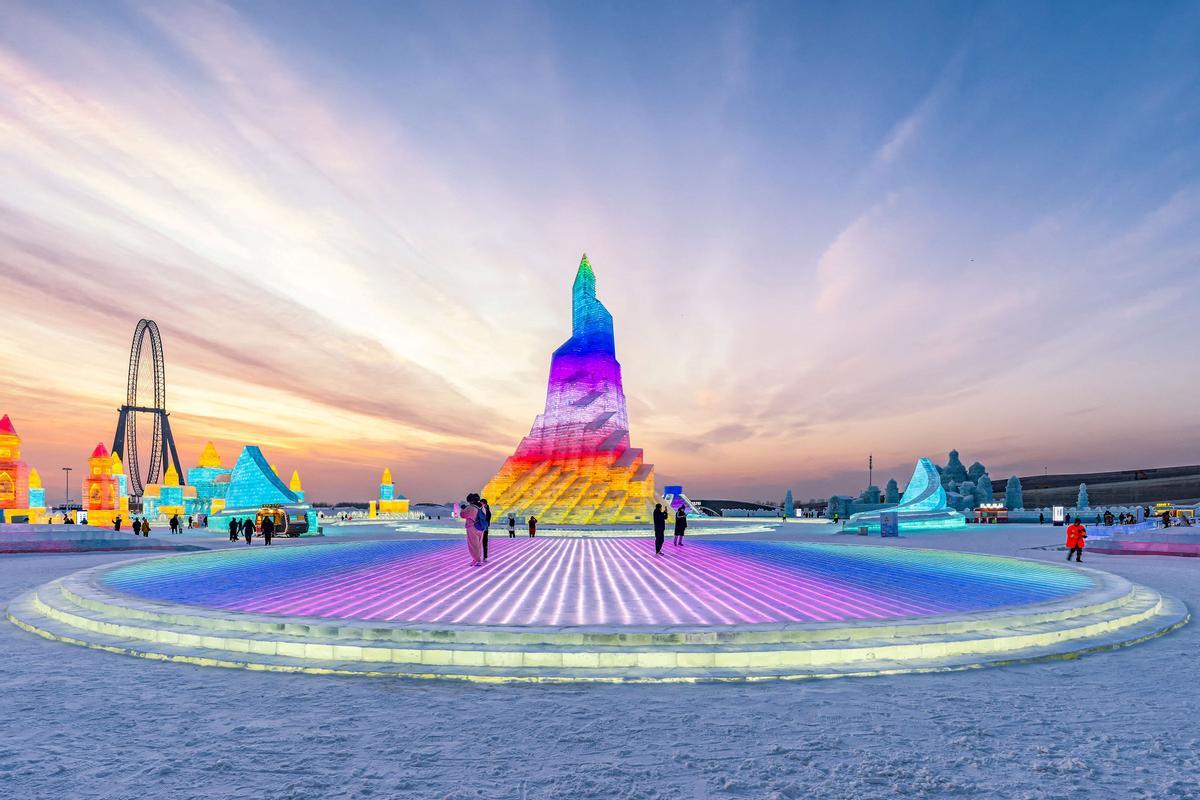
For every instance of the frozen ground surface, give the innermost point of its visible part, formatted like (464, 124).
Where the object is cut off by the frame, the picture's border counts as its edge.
(76, 723)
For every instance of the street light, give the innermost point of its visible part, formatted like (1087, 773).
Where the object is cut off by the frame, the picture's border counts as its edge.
(66, 487)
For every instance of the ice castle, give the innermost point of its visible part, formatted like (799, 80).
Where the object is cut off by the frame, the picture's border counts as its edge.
(577, 466)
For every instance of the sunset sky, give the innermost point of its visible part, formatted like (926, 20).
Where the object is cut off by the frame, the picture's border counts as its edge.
(823, 230)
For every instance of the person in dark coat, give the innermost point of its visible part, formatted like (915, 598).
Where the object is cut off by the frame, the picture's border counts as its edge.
(487, 523)
(145, 527)
(235, 528)
(680, 526)
(117, 524)
(174, 523)
(660, 528)
(512, 525)
(248, 529)
(532, 527)
(268, 529)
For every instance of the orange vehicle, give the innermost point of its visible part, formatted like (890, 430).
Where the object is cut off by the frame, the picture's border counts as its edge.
(288, 521)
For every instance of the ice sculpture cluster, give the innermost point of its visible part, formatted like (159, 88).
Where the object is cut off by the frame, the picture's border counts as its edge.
(576, 465)
(923, 506)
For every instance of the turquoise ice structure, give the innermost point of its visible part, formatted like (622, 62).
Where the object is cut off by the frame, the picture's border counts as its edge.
(253, 487)
(922, 508)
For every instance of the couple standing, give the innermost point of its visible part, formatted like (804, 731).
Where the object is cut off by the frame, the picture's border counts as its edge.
(661, 516)
(477, 517)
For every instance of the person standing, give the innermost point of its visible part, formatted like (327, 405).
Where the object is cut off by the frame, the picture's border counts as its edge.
(472, 516)
(680, 525)
(486, 510)
(234, 529)
(145, 527)
(173, 523)
(248, 529)
(660, 528)
(117, 524)
(268, 529)
(1076, 533)
(512, 525)
(532, 526)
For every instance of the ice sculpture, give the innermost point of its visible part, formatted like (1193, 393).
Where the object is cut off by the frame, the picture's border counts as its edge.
(789, 505)
(389, 501)
(983, 489)
(101, 490)
(169, 498)
(295, 486)
(37, 493)
(1081, 501)
(254, 483)
(14, 472)
(923, 506)
(254, 491)
(205, 477)
(891, 492)
(1012, 494)
(674, 499)
(955, 471)
(577, 465)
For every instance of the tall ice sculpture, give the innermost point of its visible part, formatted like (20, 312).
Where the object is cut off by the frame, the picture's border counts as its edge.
(576, 466)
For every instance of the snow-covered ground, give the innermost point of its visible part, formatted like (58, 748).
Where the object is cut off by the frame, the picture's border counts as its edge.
(77, 723)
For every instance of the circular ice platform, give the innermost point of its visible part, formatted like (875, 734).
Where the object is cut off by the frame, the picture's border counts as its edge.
(595, 609)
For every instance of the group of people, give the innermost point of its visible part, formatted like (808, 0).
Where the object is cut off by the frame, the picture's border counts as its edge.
(512, 524)
(477, 520)
(660, 526)
(476, 515)
(141, 526)
(245, 527)
(176, 524)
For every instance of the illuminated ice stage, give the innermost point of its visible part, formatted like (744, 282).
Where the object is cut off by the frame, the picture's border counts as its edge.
(702, 528)
(595, 609)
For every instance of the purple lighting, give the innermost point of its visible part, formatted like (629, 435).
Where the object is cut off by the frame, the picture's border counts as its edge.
(597, 582)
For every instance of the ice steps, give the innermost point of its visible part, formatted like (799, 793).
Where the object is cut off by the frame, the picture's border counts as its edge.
(76, 610)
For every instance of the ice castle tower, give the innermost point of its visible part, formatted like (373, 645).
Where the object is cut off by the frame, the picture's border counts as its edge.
(577, 465)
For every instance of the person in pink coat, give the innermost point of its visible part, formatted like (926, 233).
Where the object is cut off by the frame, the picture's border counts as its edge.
(470, 510)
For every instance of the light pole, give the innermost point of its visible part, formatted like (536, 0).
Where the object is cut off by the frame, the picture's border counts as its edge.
(66, 487)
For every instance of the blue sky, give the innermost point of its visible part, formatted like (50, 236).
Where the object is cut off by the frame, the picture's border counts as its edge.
(823, 230)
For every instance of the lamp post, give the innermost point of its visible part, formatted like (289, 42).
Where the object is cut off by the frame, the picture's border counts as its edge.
(66, 487)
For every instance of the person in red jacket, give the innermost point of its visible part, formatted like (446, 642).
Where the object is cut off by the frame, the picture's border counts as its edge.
(1076, 533)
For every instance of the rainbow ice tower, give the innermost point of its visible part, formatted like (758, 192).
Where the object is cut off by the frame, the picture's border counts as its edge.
(576, 465)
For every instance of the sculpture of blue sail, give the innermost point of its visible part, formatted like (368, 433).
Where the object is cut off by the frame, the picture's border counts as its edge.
(922, 508)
